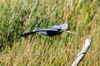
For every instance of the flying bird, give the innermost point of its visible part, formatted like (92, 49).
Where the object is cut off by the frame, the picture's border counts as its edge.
(53, 31)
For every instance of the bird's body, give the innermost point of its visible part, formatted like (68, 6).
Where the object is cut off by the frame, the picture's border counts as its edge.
(55, 30)
(50, 33)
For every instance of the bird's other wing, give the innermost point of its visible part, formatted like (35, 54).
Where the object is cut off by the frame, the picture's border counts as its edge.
(46, 29)
(26, 34)
(62, 26)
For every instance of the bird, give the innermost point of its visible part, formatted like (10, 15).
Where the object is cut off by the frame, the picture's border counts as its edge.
(53, 31)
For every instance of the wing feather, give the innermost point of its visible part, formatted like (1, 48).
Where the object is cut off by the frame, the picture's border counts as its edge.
(62, 26)
(46, 29)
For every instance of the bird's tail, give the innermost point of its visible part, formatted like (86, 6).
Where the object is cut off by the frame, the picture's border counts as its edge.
(26, 34)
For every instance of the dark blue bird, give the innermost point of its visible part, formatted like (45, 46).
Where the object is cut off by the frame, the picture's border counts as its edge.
(55, 30)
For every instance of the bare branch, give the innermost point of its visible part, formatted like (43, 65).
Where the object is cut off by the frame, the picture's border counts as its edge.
(82, 53)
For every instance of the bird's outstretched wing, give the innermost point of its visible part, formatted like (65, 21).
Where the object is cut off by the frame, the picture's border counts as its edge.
(26, 34)
(62, 26)
(38, 30)
(43, 30)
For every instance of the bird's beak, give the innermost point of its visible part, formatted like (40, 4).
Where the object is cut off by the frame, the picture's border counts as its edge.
(71, 32)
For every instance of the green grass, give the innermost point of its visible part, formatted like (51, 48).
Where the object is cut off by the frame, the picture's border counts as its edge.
(20, 16)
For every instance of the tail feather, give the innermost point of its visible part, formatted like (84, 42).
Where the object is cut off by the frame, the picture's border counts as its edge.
(26, 34)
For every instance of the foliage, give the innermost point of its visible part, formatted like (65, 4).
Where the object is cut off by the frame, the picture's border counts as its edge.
(20, 16)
